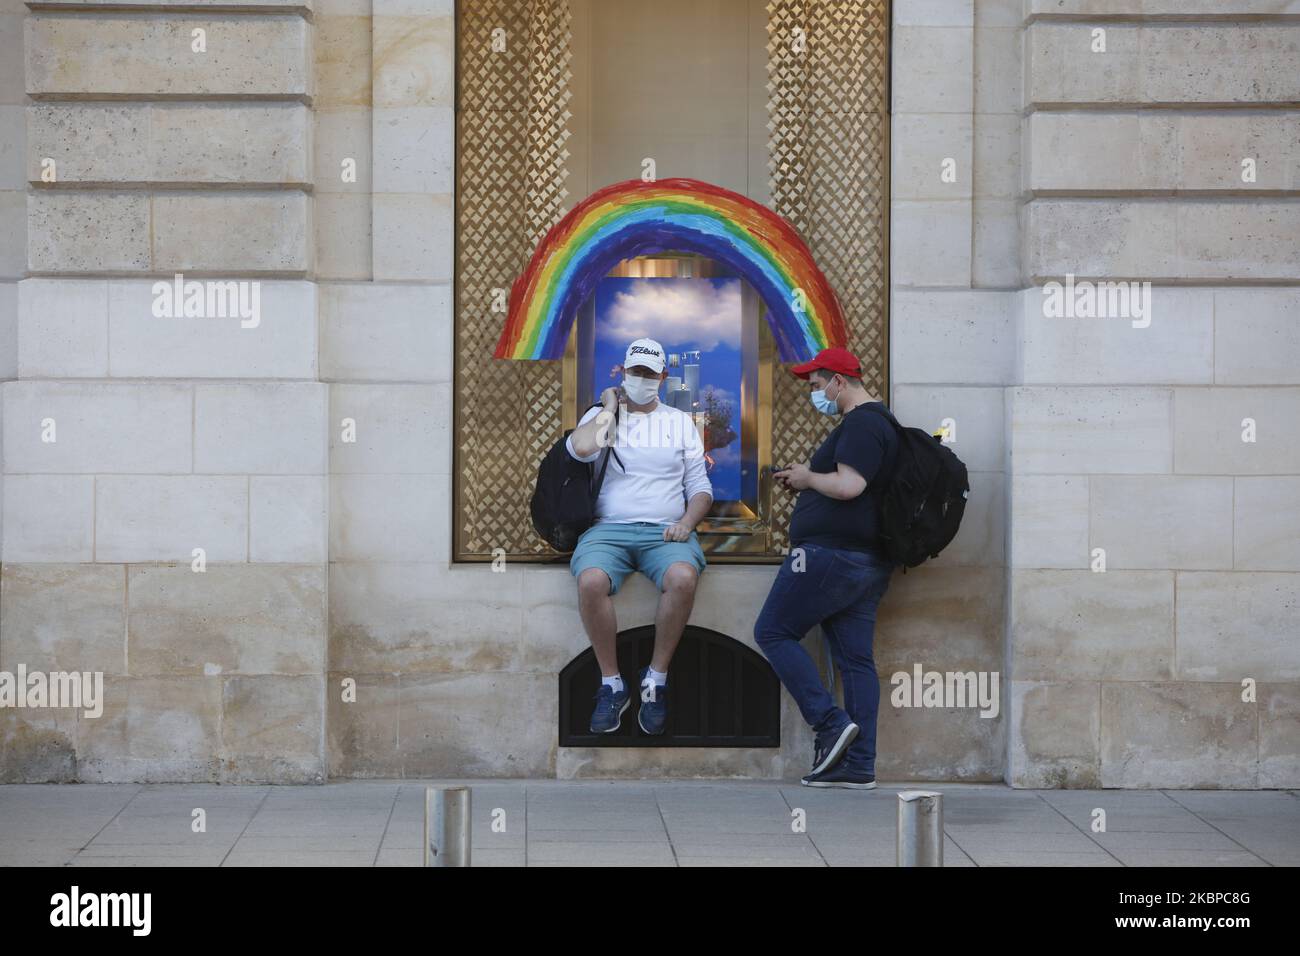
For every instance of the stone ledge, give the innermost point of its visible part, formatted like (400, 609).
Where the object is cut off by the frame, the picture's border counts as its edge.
(148, 57)
(1193, 64)
(151, 145)
(130, 232)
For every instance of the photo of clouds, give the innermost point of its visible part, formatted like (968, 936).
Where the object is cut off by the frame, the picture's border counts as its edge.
(699, 322)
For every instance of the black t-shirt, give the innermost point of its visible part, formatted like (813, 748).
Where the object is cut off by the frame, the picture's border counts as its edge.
(865, 441)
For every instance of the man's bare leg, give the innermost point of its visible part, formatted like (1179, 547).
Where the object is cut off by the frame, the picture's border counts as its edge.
(596, 607)
(674, 611)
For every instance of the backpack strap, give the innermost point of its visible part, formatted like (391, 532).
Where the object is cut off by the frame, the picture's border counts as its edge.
(598, 479)
(880, 408)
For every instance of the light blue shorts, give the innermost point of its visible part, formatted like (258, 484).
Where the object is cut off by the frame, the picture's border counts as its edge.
(620, 549)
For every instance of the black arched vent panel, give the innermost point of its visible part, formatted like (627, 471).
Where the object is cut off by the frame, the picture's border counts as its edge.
(722, 694)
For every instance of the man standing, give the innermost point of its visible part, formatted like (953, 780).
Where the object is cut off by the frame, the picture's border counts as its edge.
(835, 574)
(645, 520)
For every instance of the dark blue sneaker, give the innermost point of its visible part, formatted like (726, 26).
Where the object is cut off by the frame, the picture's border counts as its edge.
(654, 705)
(607, 717)
(848, 778)
(831, 744)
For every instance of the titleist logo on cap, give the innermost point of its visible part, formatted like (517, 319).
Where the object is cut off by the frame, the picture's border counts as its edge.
(642, 350)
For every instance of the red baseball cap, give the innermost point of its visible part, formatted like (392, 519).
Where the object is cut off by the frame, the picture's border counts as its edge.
(831, 360)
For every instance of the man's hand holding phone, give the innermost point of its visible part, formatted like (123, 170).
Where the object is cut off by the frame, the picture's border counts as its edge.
(795, 477)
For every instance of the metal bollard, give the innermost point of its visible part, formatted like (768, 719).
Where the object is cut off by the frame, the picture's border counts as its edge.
(920, 828)
(446, 826)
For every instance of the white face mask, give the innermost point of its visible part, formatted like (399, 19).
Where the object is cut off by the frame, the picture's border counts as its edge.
(640, 391)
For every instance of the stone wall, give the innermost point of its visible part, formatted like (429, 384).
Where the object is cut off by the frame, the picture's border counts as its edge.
(1129, 439)
(151, 150)
(329, 559)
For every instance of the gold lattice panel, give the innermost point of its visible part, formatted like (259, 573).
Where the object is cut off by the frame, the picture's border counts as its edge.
(828, 157)
(512, 131)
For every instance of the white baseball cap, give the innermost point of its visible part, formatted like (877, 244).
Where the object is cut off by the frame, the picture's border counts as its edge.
(645, 352)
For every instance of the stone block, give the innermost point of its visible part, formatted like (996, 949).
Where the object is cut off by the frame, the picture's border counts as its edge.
(1211, 423)
(1049, 521)
(261, 429)
(413, 237)
(63, 617)
(931, 156)
(930, 243)
(343, 63)
(1257, 337)
(153, 730)
(1279, 732)
(343, 236)
(279, 342)
(229, 619)
(390, 518)
(271, 730)
(288, 520)
(165, 517)
(974, 417)
(423, 618)
(933, 69)
(479, 725)
(943, 618)
(1087, 626)
(254, 232)
(171, 143)
(91, 232)
(63, 328)
(69, 55)
(413, 60)
(49, 517)
(1075, 431)
(1172, 343)
(97, 428)
(400, 429)
(1055, 735)
(952, 336)
(1266, 523)
(1237, 625)
(414, 149)
(1162, 521)
(343, 134)
(377, 332)
(1189, 735)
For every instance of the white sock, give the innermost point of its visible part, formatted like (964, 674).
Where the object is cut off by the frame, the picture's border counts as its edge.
(654, 675)
(615, 682)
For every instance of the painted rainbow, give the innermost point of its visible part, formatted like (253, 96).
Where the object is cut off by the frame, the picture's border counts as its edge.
(637, 218)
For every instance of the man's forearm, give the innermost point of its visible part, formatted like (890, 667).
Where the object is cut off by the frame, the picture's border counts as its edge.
(587, 439)
(696, 509)
(832, 484)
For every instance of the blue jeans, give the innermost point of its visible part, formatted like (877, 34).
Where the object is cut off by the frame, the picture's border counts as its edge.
(839, 590)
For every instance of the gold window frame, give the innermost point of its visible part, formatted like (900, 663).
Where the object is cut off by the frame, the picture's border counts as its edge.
(828, 159)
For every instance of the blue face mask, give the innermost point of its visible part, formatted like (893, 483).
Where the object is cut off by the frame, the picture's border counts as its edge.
(827, 406)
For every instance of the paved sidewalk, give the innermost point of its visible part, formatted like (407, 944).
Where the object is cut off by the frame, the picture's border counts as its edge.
(637, 823)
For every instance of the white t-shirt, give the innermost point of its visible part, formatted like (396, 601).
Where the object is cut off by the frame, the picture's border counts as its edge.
(663, 455)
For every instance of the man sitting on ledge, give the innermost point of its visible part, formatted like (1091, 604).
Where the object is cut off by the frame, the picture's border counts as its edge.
(645, 521)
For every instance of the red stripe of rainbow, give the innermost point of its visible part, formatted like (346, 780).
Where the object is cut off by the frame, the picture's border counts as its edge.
(640, 218)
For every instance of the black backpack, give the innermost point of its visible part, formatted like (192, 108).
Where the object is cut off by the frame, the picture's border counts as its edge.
(564, 500)
(924, 498)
